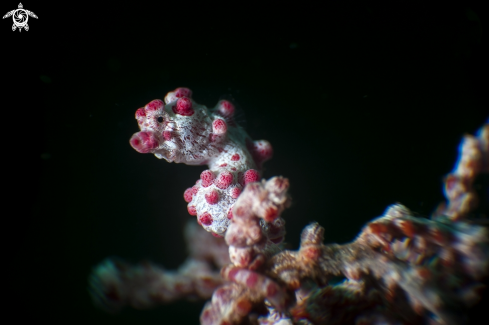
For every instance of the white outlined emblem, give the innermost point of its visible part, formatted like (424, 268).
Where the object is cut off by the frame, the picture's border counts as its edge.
(20, 17)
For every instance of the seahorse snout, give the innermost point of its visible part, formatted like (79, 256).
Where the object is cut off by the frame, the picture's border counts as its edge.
(144, 141)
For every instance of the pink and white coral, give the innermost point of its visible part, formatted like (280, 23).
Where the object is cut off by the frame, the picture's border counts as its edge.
(401, 269)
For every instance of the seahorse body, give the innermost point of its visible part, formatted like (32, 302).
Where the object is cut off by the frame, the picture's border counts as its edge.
(182, 131)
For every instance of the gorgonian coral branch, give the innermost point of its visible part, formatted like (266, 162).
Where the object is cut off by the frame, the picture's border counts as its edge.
(400, 269)
(115, 283)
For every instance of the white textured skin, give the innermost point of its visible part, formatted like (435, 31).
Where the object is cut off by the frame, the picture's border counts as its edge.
(193, 141)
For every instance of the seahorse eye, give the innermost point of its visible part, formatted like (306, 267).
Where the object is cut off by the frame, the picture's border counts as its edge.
(160, 119)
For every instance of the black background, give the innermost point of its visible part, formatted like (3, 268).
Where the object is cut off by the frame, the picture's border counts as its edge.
(364, 103)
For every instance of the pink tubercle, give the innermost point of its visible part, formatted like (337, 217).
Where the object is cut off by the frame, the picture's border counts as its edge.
(260, 150)
(192, 210)
(212, 197)
(230, 213)
(183, 92)
(224, 180)
(140, 113)
(251, 176)
(188, 195)
(207, 177)
(205, 219)
(235, 192)
(178, 93)
(219, 126)
(263, 150)
(226, 108)
(144, 141)
(183, 107)
(235, 157)
(154, 105)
